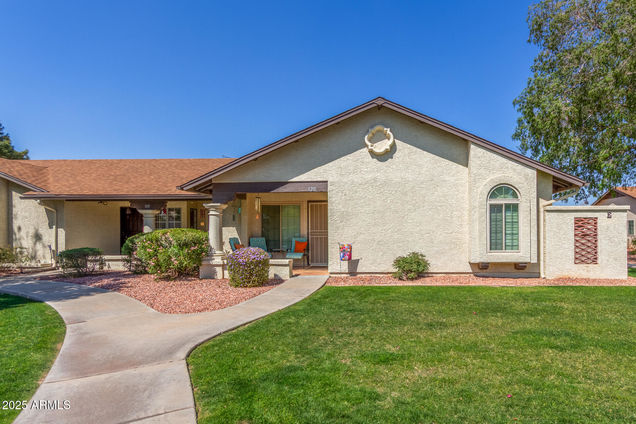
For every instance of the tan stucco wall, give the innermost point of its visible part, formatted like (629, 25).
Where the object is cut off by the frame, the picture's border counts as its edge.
(487, 170)
(94, 224)
(612, 242)
(32, 226)
(418, 197)
(5, 210)
(624, 201)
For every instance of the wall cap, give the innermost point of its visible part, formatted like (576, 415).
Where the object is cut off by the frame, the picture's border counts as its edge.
(589, 208)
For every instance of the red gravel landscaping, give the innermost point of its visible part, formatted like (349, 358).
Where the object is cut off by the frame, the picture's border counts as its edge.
(471, 280)
(181, 296)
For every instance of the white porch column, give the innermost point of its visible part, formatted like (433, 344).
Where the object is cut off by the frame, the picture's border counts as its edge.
(213, 266)
(215, 227)
(149, 219)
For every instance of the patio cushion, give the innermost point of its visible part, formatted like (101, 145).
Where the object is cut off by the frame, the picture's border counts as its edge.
(300, 246)
(294, 255)
(238, 246)
(233, 242)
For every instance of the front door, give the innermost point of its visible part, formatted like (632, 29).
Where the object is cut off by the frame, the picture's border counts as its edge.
(131, 222)
(193, 218)
(318, 233)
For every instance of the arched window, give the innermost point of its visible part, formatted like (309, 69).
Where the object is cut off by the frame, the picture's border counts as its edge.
(503, 218)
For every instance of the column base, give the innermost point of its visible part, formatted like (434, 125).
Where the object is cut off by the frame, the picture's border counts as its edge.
(213, 267)
(281, 269)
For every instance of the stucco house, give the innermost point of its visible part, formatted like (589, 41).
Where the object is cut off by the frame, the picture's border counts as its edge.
(622, 196)
(381, 177)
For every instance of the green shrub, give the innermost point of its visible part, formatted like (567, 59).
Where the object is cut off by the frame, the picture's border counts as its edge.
(171, 253)
(248, 267)
(81, 261)
(132, 261)
(411, 266)
(12, 257)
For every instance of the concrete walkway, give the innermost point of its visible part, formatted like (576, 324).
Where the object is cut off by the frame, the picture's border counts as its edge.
(122, 361)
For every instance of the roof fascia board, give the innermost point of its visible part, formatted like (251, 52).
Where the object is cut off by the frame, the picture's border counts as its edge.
(279, 143)
(116, 196)
(21, 182)
(379, 103)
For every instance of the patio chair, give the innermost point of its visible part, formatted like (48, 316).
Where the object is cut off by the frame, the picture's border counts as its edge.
(259, 242)
(292, 254)
(233, 242)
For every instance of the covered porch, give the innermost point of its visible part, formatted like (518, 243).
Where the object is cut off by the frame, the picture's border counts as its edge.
(270, 216)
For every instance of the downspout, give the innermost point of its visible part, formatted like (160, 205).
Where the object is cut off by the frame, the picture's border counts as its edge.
(542, 234)
(54, 259)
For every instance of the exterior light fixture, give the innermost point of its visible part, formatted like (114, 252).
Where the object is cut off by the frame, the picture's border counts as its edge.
(257, 205)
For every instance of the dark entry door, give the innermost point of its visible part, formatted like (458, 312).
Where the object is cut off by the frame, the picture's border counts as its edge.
(131, 222)
(193, 218)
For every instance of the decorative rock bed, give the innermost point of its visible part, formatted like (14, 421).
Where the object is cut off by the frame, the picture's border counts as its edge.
(471, 280)
(180, 296)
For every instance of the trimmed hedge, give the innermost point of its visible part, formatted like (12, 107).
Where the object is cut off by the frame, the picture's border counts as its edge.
(248, 267)
(168, 253)
(81, 261)
(411, 266)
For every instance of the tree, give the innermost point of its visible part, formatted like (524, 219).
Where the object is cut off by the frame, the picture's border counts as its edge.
(578, 111)
(7, 150)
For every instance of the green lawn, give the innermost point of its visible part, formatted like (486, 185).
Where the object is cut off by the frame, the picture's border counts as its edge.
(30, 336)
(428, 354)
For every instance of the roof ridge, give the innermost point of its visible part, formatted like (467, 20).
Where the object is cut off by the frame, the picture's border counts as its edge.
(566, 180)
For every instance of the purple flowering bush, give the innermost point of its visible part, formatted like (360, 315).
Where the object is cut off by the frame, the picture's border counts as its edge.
(248, 267)
(170, 253)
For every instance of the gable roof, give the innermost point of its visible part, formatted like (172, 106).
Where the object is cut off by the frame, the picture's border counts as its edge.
(561, 180)
(627, 191)
(107, 178)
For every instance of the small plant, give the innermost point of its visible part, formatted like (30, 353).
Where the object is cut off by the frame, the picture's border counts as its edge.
(12, 258)
(171, 253)
(248, 267)
(81, 261)
(411, 266)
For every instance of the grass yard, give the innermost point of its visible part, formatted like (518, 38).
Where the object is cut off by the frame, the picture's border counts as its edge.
(428, 354)
(30, 336)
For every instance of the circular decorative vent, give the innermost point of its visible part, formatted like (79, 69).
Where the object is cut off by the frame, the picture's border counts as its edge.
(379, 147)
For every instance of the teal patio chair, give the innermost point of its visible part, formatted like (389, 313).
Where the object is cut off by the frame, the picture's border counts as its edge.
(233, 242)
(292, 254)
(260, 243)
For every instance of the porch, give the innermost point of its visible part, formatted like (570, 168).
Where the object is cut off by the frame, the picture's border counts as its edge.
(276, 214)
(106, 224)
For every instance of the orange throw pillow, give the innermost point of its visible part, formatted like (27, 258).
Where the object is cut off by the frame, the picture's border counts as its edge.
(300, 246)
(238, 246)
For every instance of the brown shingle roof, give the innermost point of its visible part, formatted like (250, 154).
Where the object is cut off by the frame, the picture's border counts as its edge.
(107, 178)
(609, 194)
(630, 191)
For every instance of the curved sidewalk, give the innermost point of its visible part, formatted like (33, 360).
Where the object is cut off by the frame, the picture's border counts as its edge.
(122, 361)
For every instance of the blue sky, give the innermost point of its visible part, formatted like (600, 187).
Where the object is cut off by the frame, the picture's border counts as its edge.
(159, 79)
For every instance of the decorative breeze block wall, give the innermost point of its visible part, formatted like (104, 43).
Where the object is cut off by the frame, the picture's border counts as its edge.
(585, 240)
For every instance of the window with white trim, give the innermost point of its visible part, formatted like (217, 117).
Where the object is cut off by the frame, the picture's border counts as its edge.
(168, 218)
(630, 227)
(503, 219)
